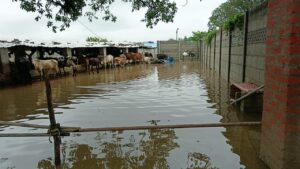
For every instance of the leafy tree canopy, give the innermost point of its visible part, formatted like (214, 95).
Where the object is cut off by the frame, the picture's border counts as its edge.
(60, 13)
(96, 39)
(196, 36)
(230, 9)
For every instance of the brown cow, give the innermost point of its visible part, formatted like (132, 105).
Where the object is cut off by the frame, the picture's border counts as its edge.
(120, 61)
(134, 57)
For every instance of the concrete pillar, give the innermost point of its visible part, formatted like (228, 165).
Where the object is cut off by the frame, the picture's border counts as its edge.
(101, 51)
(126, 50)
(280, 139)
(69, 52)
(104, 52)
(4, 61)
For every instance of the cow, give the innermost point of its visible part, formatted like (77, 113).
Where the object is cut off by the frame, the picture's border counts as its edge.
(92, 62)
(46, 66)
(134, 57)
(120, 61)
(107, 60)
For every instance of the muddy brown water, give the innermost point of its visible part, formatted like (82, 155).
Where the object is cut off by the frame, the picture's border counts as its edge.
(136, 95)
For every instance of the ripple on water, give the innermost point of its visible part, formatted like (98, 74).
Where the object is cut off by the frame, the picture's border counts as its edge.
(135, 95)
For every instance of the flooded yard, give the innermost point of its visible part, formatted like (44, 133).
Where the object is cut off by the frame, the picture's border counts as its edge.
(182, 93)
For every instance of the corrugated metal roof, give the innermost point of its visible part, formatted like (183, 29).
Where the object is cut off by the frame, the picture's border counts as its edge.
(7, 44)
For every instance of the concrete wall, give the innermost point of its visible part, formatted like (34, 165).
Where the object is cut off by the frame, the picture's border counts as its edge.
(239, 60)
(237, 52)
(225, 55)
(255, 60)
(176, 48)
(218, 53)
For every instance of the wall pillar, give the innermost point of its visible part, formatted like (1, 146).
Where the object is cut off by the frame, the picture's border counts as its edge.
(280, 139)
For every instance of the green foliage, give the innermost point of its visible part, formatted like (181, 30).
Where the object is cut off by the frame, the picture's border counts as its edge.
(210, 35)
(60, 13)
(229, 9)
(197, 36)
(235, 21)
(96, 39)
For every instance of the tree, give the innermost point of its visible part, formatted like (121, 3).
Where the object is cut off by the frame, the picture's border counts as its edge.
(229, 9)
(96, 39)
(198, 35)
(60, 13)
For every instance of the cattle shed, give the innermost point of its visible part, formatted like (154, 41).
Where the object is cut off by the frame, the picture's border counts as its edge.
(43, 50)
(147, 49)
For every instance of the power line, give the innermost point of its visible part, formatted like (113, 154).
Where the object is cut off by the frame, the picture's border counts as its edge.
(87, 28)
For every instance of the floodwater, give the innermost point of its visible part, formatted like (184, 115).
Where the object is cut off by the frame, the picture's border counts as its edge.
(136, 95)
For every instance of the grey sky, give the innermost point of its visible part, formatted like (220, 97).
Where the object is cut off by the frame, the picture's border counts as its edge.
(16, 23)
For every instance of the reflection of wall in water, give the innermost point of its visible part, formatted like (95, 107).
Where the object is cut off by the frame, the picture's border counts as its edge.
(245, 141)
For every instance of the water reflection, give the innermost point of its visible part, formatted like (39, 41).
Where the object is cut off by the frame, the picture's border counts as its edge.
(18, 102)
(149, 149)
(136, 95)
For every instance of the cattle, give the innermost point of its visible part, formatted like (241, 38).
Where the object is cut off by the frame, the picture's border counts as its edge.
(20, 64)
(162, 56)
(188, 53)
(67, 62)
(148, 54)
(63, 62)
(107, 60)
(134, 57)
(70, 63)
(92, 62)
(46, 66)
(23, 67)
(147, 59)
(120, 61)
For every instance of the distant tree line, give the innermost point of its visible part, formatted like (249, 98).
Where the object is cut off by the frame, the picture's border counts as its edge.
(96, 39)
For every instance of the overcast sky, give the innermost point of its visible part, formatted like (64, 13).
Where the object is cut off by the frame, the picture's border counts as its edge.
(16, 23)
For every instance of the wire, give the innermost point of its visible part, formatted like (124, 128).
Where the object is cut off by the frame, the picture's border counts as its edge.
(89, 29)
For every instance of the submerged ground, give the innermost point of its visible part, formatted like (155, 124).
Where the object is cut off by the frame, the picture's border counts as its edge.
(181, 93)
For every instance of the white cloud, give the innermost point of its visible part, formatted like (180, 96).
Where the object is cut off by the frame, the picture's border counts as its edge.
(16, 23)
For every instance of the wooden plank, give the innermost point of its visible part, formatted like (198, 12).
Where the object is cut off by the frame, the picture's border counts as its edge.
(246, 95)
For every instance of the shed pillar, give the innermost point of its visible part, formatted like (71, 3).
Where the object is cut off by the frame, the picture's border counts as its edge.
(104, 51)
(69, 52)
(280, 139)
(4, 61)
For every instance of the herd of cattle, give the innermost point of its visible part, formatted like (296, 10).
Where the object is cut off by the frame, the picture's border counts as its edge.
(22, 67)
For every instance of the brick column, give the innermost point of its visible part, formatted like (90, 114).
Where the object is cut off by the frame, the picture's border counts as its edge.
(280, 140)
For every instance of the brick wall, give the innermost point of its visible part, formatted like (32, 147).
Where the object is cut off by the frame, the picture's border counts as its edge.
(280, 142)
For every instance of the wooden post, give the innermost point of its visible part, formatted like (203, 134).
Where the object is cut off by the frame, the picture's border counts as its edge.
(53, 124)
